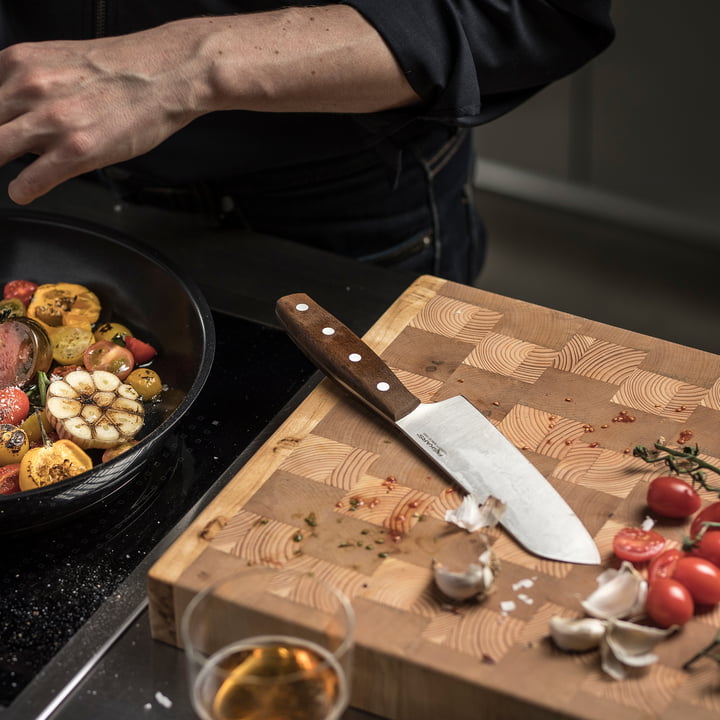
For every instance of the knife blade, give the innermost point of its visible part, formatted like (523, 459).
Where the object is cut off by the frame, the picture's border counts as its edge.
(452, 433)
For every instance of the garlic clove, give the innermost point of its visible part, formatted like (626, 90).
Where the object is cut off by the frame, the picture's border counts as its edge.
(475, 581)
(577, 634)
(620, 594)
(610, 664)
(632, 644)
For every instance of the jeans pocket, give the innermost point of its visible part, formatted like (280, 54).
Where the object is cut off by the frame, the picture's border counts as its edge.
(414, 254)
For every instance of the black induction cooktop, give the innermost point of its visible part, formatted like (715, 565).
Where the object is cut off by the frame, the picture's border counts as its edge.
(52, 581)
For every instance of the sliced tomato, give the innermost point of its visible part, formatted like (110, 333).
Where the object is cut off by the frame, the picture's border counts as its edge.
(709, 514)
(14, 405)
(10, 479)
(23, 290)
(672, 497)
(106, 355)
(663, 564)
(142, 352)
(637, 545)
(669, 603)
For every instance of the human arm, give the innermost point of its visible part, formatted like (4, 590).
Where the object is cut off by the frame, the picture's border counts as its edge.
(81, 105)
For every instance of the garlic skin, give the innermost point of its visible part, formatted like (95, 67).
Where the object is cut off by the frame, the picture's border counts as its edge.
(577, 634)
(470, 516)
(628, 644)
(475, 581)
(620, 594)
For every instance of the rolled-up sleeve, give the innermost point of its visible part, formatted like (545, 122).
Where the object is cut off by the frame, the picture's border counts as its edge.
(473, 60)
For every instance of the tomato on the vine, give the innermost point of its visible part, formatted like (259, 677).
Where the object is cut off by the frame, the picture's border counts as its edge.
(663, 565)
(106, 355)
(637, 545)
(14, 405)
(707, 545)
(672, 497)
(669, 603)
(709, 514)
(700, 577)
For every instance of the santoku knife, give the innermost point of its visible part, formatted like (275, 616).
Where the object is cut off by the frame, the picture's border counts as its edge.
(452, 433)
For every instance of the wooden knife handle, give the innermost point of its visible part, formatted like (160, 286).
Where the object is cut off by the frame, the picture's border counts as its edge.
(343, 356)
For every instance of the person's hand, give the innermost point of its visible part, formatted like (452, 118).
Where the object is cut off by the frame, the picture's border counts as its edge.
(82, 105)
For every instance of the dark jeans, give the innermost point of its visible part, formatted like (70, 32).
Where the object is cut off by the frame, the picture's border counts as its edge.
(422, 219)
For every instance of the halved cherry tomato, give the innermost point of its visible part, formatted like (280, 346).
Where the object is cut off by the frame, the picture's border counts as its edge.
(669, 603)
(106, 355)
(14, 405)
(707, 545)
(52, 463)
(663, 565)
(637, 545)
(23, 290)
(10, 479)
(709, 514)
(142, 352)
(700, 577)
(113, 332)
(672, 497)
(69, 344)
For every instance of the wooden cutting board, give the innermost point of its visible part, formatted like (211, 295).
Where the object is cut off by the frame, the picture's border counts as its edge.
(335, 490)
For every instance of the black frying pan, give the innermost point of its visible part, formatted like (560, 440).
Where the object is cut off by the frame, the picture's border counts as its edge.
(136, 287)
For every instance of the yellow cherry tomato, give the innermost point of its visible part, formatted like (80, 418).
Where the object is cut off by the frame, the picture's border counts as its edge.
(69, 343)
(14, 444)
(57, 304)
(145, 382)
(112, 331)
(52, 463)
(31, 426)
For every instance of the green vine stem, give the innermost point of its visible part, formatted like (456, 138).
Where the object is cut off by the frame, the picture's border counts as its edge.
(685, 461)
(707, 651)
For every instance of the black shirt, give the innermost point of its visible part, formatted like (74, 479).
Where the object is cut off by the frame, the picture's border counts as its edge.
(469, 60)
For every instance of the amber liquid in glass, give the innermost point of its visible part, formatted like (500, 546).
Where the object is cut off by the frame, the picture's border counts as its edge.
(289, 681)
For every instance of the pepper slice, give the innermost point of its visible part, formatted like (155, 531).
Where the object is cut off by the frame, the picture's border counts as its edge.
(52, 463)
(56, 304)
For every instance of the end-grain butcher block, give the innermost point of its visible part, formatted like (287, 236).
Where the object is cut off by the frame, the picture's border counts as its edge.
(336, 491)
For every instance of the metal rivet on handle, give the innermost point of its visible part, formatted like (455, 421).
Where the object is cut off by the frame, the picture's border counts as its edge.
(302, 307)
(354, 357)
(328, 331)
(382, 386)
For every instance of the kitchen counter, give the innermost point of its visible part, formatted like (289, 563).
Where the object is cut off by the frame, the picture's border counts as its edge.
(111, 667)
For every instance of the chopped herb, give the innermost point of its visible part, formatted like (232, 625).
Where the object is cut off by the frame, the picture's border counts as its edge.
(311, 520)
(345, 544)
(383, 554)
(297, 537)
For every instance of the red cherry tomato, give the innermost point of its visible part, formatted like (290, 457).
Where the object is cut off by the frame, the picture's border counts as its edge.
(14, 405)
(106, 355)
(669, 603)
(708, 546)
(672, 497)
(10, 479)
(709, 514)
(23, 290)
(637, 545)
(700, 577)
(142, 352)
(663, 565)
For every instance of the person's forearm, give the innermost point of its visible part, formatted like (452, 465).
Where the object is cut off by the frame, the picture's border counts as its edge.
(317, 59)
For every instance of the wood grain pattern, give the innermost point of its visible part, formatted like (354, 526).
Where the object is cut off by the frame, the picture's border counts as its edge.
(336, 491)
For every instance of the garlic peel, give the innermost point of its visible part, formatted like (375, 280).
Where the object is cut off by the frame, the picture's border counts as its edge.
(471, 516)
(620, 594)
(632, 644)
(577, 634)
